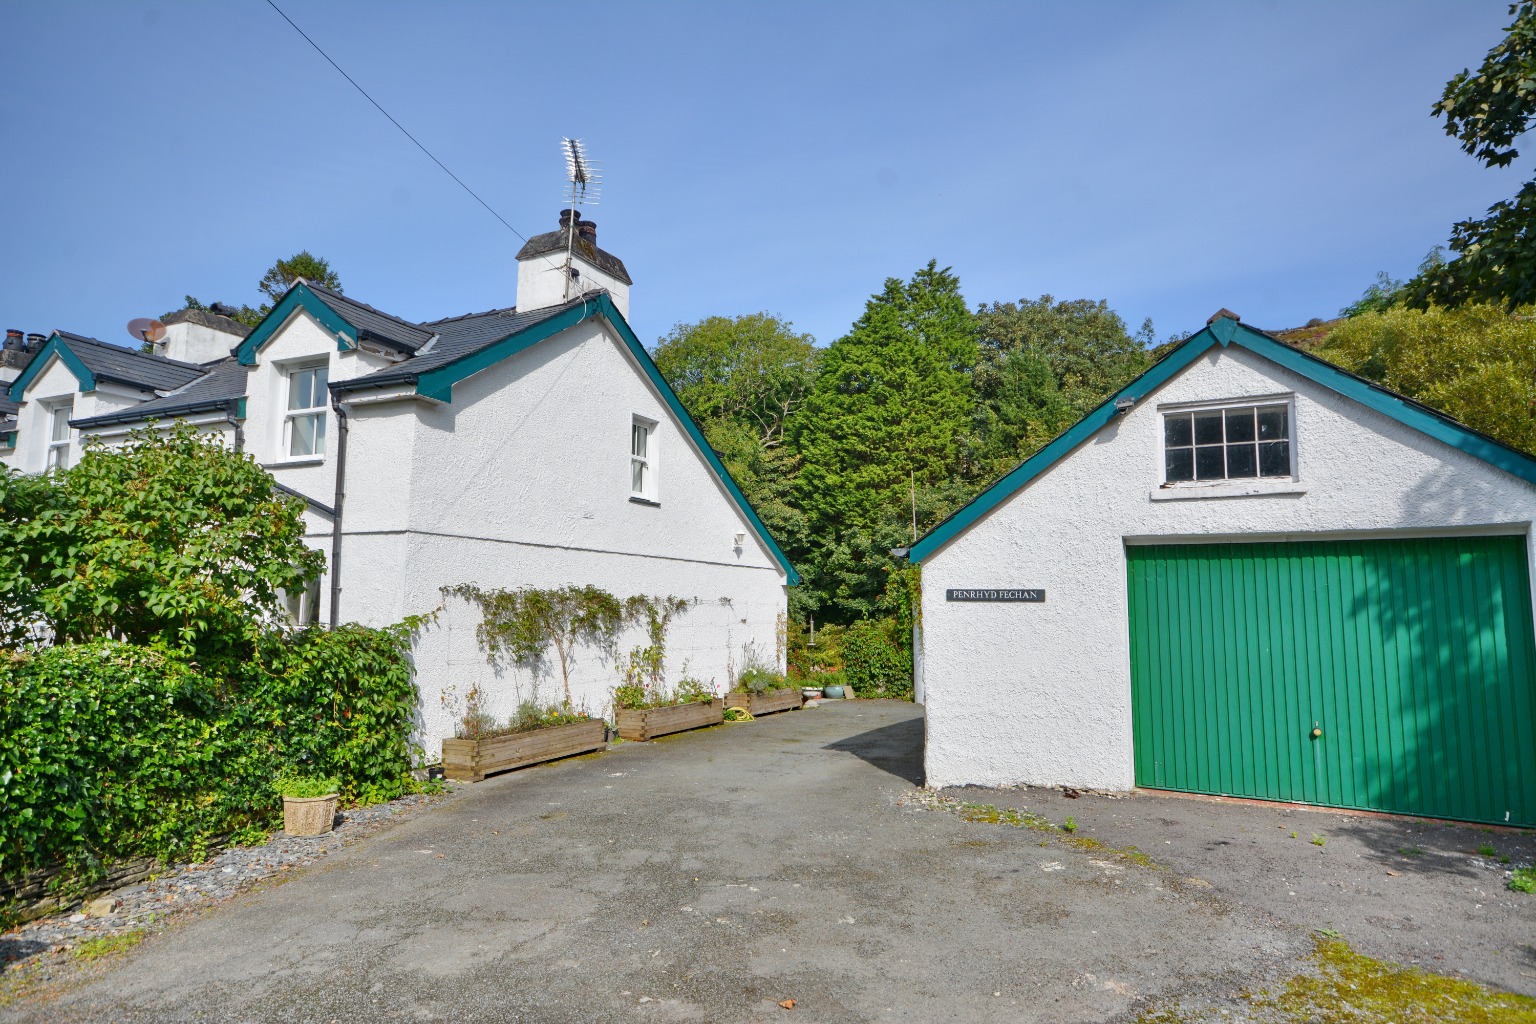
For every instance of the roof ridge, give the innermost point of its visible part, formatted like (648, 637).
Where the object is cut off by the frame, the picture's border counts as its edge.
(359, 302)
(469, 316)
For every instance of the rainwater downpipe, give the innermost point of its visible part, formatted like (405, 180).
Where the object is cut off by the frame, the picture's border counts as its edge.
(232, 413)
(341, 496)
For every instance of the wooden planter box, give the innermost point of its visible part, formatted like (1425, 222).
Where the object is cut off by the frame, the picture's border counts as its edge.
(473, 760)
(766, 703)
(653, 722)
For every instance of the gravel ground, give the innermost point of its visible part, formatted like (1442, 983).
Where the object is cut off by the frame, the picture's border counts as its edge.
(187, 887)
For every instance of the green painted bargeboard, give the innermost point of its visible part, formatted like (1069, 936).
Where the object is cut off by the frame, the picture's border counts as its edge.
(1414, 658)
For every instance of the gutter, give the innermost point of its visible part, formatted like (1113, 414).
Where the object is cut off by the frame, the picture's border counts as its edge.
(135, 415)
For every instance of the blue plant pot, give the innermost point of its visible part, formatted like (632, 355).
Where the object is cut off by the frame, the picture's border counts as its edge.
(832, 692)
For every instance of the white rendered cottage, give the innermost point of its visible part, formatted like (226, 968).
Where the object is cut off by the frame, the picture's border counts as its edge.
(1248, 573)
(529, 446)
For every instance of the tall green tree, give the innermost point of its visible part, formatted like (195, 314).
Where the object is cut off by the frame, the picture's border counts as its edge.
(274, 283)
(741, 378)
(301, 264)
(1044, 365)
(1486, 111)
(1476, 362)
(891, 411)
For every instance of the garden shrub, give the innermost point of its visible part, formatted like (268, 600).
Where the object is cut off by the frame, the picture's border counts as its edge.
(110, 751)
(875, 662)
(338, 703)
(757, 679)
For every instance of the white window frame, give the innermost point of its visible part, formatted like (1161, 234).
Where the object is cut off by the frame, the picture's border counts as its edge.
(320, 412)
(56, 456)
(1257, 401)
(647, 463)
(303, 608)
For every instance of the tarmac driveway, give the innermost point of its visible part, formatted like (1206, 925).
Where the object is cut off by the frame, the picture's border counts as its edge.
(712, 875)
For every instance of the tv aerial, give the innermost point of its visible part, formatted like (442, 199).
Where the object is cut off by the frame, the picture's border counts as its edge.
(583, 185)
(146, 330)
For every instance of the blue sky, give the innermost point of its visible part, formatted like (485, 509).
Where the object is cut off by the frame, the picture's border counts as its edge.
(1169, 158)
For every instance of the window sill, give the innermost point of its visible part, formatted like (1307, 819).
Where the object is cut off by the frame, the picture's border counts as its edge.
(304, 460)
(644, 501)
(1228, 489)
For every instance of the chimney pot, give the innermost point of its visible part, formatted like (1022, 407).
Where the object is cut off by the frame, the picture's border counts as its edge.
(587, 231)
(13, 341)
(35, 342)
(568, 215)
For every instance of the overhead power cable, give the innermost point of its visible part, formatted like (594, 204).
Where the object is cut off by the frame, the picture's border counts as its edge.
(397, 124)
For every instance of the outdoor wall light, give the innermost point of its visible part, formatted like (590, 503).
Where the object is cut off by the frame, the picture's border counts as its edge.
(1124, 405)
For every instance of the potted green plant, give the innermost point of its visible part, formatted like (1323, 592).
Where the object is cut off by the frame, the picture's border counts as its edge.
(309, 803)
(645, 712)
(537, 733)
(763, 691)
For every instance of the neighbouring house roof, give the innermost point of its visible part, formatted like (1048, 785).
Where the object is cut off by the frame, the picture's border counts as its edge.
(207, 319)
(1226, 331)
(221, 387)
(91, 361)
(551, 242)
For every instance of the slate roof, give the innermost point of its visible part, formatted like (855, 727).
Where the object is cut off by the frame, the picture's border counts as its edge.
(555, 242)
(373, 323)
(125, 366)
(223, 382)
(457, 337)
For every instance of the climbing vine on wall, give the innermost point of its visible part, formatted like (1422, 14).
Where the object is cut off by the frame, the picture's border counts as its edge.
(532, 627)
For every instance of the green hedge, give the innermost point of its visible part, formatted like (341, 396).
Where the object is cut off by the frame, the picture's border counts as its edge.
(876, 661)
(110, 751)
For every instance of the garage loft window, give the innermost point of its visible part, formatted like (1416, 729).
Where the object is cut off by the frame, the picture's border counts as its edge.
(1240, 442)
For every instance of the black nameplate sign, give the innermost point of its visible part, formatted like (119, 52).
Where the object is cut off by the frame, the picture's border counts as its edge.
(996, 594)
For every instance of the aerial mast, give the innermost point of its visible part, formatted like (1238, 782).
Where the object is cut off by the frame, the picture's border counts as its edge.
(583, 183)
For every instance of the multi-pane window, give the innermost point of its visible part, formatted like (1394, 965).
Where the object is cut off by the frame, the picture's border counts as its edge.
(1227, 444)
(305, 421)
(58, 434)
(642, 470)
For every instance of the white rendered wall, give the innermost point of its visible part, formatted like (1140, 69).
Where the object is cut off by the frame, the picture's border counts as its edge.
(54, 383)
(524, 481)
(301, 340)
(541, 282)
(196, 343)
(1041, 693)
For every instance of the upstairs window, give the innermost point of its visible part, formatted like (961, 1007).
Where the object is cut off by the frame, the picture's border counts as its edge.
(1234, 443)
(58, 434)
(304, 423)
(642, 459)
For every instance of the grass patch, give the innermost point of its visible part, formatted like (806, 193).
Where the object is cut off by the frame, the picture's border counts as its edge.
(106, 945)
(1487, 850)
(991, 814)
(1523, 879)
(1350, 986)
(1346, 987)
(1410, 851)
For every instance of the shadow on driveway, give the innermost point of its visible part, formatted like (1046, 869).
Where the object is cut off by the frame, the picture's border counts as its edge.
(895, 748)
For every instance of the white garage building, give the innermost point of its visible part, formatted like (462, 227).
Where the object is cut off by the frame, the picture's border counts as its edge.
(1247, 573)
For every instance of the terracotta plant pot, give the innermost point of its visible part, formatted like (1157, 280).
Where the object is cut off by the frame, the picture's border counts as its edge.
(309, 816)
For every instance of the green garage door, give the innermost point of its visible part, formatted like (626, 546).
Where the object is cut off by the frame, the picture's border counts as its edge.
(1393, 675)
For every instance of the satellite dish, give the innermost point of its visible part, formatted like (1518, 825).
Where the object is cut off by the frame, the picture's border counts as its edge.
(144, 329)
